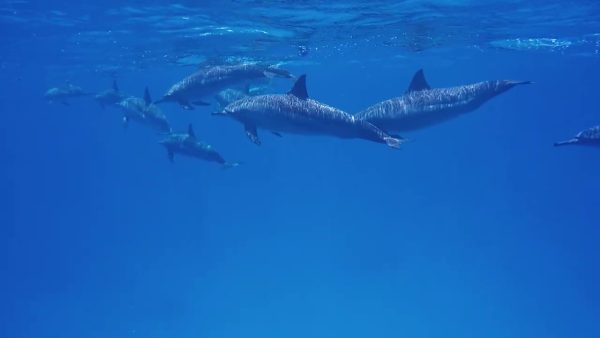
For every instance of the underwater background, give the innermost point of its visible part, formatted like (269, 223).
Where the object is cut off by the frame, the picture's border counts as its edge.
(477, 227)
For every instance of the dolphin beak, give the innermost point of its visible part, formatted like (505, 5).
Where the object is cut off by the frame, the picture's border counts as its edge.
(567, 142)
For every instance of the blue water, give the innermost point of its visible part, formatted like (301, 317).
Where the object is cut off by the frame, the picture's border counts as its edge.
(477, 227)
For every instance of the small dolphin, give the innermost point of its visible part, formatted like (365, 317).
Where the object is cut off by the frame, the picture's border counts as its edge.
(62, 94)
(144, 112)
(210, 80)
(421, 106)
(230, 95)
(295, 113)
(109, 97)
(589, 137)
(189, 145)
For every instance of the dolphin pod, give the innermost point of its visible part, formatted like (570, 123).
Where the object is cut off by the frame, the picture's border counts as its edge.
(294, 112)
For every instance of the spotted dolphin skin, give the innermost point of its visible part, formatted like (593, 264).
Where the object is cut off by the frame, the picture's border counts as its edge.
(422, 106)
(63, 94)
(208, 81)
(588, 137)
(295, 113)
(144, 112)
(110, 97)
(189, 145)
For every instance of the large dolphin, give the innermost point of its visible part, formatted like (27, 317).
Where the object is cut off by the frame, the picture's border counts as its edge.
(588, 137)
(208, 81)
(295, 113)
(62, 94)
(109, 97)
(422, 106)
(189, 145)
(144, 112)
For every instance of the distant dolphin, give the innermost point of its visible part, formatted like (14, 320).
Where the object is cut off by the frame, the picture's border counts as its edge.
(421, 106)
(230, 95)
(189, 145)
(62, 94)
(210, 80)
(295, 113)
(109, 97)
(589, 137)
(144, 112)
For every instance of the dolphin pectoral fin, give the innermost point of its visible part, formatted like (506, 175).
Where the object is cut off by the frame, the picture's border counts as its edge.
(567, 142)
(201, 103)
(276, 133)
(418, 82)
(252, 133)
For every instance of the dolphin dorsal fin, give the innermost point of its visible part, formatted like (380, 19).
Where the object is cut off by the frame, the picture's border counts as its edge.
(299, 89)
(191, 133)
(115, 86)
(418, 82)
(147, 97)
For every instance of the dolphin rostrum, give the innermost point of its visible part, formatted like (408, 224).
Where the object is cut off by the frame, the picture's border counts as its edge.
(144, 112)
(209, 80)
(422, 106)
(590, 137)
(189, 145)
(295, 113)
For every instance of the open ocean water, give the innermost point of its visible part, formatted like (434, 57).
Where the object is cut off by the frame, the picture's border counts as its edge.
(476, 227)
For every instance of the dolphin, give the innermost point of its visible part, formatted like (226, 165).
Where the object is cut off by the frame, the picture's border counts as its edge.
(422, 106)
(62, 94)
(144, 112)
(295, 113)
(209, 80)
(230, 95)
(109, 97)
(589, 137)
(189, 145)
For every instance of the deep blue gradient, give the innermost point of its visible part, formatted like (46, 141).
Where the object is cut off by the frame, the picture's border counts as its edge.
(477, 227)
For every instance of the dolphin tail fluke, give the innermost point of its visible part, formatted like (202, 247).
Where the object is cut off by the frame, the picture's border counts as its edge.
(567, 142)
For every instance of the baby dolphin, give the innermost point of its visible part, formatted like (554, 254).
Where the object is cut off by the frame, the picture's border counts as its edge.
(589, 137)
(210, 80)
(230, 95)
(62, 94)
(109, 97)
(144, 112)
(188, 145)
(422, 106)
(295, 113)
